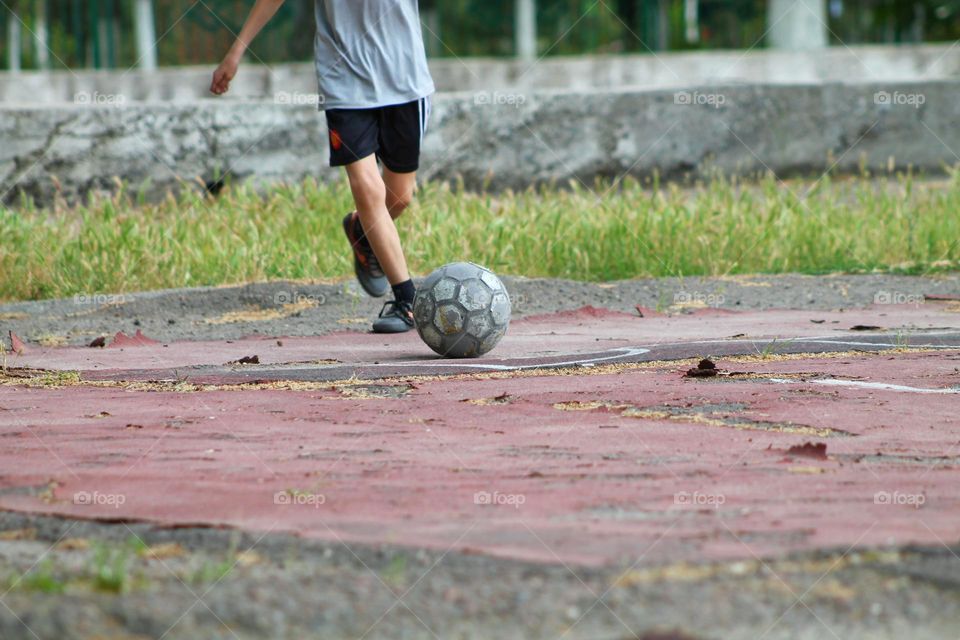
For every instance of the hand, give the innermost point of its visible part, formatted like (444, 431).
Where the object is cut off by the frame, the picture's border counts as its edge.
(223, 75)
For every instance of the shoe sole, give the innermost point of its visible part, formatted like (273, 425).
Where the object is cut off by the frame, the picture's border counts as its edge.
(367, 282)
(392, 328)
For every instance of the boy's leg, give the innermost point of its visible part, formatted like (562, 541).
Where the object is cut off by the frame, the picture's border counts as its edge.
(353, 139)
(371, 196)
(400, 188)
(391, 135)
(401, 133)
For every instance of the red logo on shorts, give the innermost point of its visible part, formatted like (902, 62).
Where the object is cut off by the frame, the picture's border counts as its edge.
(335, 140)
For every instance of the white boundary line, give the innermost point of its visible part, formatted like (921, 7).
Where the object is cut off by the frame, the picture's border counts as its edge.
(626, 352)
(867, 385)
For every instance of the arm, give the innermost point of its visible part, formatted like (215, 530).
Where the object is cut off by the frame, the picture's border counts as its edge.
(261, 13)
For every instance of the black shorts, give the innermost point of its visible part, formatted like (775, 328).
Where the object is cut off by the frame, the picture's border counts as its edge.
(394, 133)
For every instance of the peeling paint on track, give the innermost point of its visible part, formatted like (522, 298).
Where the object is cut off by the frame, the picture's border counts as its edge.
(477, 456)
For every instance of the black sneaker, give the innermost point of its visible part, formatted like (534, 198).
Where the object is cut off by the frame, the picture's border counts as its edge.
(395, 317)
(365, 263)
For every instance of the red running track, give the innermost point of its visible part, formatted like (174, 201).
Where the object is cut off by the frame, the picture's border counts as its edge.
(634, 465)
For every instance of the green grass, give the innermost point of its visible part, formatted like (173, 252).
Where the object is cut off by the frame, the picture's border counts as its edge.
(110, 569)
(718, 227)
(395, 571)
(769, 349)
(211, 572)
(118, 567)
(42, 578)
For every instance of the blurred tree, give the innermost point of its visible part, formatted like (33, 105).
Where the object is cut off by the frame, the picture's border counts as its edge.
(106, 33)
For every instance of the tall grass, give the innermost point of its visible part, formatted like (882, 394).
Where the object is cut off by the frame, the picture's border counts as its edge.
(610, 231)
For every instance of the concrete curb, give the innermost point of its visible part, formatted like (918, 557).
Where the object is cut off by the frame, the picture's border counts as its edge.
(500, 140)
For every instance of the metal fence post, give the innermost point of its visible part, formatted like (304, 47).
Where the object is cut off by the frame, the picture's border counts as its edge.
(525, 28)
(13, 41)
(691, 20)
(41, 35)
(795, 24)
(146, 35)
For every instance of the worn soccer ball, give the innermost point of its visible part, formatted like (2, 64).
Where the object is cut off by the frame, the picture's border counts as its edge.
(462, 310)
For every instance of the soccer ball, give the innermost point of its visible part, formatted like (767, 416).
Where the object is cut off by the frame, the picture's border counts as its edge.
(461, 310)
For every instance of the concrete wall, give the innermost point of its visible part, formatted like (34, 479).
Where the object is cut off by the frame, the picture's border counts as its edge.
(543, 136)
(664, 70)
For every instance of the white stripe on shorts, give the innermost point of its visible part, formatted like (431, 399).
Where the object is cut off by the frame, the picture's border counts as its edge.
(420, 115)
(423, 106)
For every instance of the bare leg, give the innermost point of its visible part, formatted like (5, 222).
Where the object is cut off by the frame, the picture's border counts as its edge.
(370, 196)
(400, 188)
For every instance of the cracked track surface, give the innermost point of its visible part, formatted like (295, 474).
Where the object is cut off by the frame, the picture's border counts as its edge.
(574, 484)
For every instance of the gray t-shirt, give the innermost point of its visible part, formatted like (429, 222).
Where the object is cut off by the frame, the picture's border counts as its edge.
(369, 53)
